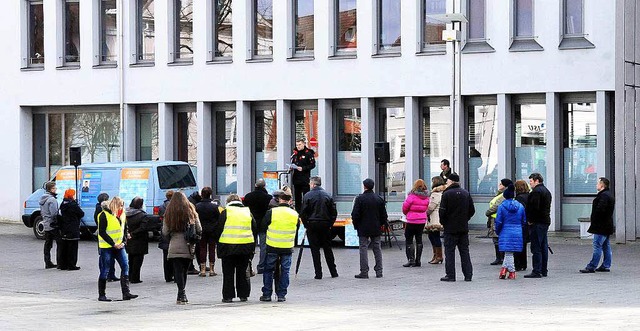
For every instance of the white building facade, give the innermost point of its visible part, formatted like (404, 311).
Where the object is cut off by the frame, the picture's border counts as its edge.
(228, 85)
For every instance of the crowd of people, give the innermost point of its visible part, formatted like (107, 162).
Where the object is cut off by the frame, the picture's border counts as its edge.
(199, 227)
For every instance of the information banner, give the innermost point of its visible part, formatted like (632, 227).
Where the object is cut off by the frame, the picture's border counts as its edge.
(271, 179)
(66, 179)
(134, 182)
(90, 189)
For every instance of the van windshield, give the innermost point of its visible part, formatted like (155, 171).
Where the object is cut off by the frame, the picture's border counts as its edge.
(175, 176)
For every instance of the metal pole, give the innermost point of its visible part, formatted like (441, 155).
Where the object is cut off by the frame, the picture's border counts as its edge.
(120, 11)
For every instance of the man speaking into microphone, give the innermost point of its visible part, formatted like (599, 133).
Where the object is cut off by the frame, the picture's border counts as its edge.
(302, 162)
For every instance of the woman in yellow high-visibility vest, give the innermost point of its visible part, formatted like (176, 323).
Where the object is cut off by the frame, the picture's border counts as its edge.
(112, 235)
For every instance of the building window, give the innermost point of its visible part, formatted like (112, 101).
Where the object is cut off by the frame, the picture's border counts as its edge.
(346, 37)
(108, 32)
(391, 129)
(573, 35)
(389, 36)
(580, 148)
(266, 140)
(522, 34)
(226, 152)
(306, 127)
(348, 155)
(262, 29)
(186, 134)
(71, 32)
(36, 34)
(437, 139)
(147, 136)
(304, 19)
(477, 10)
(432, 29)
(183, 38)
(531, 140)
(223, 36)
(146, 31)
(483, 149)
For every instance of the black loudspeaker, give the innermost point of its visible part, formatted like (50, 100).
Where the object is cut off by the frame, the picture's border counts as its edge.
(75, 156)
(381, 153)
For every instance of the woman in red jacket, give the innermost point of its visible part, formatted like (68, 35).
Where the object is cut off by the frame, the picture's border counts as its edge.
(415, 208)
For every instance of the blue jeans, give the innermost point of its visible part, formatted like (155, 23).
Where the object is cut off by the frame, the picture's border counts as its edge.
(283, 277)
(107, 255)
(539, 248)
(600, 245)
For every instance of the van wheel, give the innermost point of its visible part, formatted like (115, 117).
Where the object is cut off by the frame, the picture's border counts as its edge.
(38, 227)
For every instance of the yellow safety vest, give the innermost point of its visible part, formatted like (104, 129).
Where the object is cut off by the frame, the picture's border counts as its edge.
(493, 203)
(282, 230)
(237, 228)
(114, 229)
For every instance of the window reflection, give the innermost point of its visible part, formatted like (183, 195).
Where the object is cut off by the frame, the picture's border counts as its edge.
(580, 148)
(349, 151)
(389, 25)
(266, 155)
(483, 149)
(437, 139)
(524, 18)
(392, 130)
(184, 29)
(72, 32)
(226, 152)
(346, 25)
(263, 29)
(148, 136)
(187, 137)
(36, 33)
(146, 30)
(304, 20)
(306, 122)
(108, 31)
(531, 140)
(433, 28)
(476, 19)
(573, 17)
(224, 28)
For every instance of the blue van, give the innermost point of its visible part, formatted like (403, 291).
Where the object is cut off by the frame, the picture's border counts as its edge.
(147, 179)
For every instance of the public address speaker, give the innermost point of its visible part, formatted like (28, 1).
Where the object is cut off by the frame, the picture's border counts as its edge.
(381, 152)
(75, 156)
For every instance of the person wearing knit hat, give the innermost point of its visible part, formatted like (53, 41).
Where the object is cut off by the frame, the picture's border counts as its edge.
(509, 222)
(491, 217)
(69, 231)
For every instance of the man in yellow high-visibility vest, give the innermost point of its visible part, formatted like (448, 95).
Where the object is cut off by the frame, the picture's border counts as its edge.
(280, 225)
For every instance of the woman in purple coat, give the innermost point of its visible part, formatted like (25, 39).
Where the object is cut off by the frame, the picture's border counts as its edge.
(509, 221)
(415, 208)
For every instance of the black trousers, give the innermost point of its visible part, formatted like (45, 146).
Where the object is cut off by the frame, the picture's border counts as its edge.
(298, 192)
(520, 258)
(180, 266)
(68, 253)
(319, 235)
(49, 238)
(135, 264)
(235, 276)
(413, 231)
(167, 266)
(451, 241)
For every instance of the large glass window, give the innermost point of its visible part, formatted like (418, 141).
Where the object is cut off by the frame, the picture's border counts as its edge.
(266, 140)
(40, 170)
(531, 140)
(573, 17)
(389, 26)
(306, 127)
(476, 19)
(391, 129)
(523, 16)
(303, 19)
(263, 28)
(346, 25)
(432, 29)
(437, 139)
(187, 137)
(98, 134)
(36, 34)
(223, 39)
(580, 148)
(349, 153)
(108, 31)
(226, 152)
(148, 136)
(483, 149)
(183, 48)
(72, 32)
(54, 126)
(146, 31)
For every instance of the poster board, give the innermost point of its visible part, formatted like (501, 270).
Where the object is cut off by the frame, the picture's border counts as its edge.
(90, 188)
(134, 182)
(66, 179)
(271, 181)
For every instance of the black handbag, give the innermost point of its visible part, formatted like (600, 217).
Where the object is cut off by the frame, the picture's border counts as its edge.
(190, 234)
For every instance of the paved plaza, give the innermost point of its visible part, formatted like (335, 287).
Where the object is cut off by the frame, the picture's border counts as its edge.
(406, 298)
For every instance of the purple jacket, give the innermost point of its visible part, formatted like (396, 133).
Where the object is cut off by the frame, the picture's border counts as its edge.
(415, 207)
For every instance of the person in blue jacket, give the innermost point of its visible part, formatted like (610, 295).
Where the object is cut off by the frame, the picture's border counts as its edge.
(509, 222)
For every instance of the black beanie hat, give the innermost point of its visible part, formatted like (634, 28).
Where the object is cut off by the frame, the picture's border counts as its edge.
(506, 182)
(510, 192)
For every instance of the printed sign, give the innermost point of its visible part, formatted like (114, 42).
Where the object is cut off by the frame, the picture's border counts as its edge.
(90, 189)
(134, 182)
(271, 179)
(66, 179)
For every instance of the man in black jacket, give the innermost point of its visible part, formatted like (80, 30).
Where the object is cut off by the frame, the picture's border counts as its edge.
(539, 218)
(456, 209)
(318, 215)
(601, 227)
(302, 161)
(258, 203)
(369, 214)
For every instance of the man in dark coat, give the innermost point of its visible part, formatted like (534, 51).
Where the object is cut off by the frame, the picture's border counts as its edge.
(456, 209)
(539, 218)
(302, 162)
(445, 166)
(369, 214)
(138, 245)
(208, 214)
(69, 231)
(601, 227)
(318, 213)
(258, 203)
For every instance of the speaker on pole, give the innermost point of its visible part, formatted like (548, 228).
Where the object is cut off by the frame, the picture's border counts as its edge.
(75, 156)
(381, 152)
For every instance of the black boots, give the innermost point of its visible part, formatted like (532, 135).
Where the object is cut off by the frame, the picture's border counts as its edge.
(418, 255)
(499, 256)
(102, 287)
(182, 298)
(410, 256)
(124, 284)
